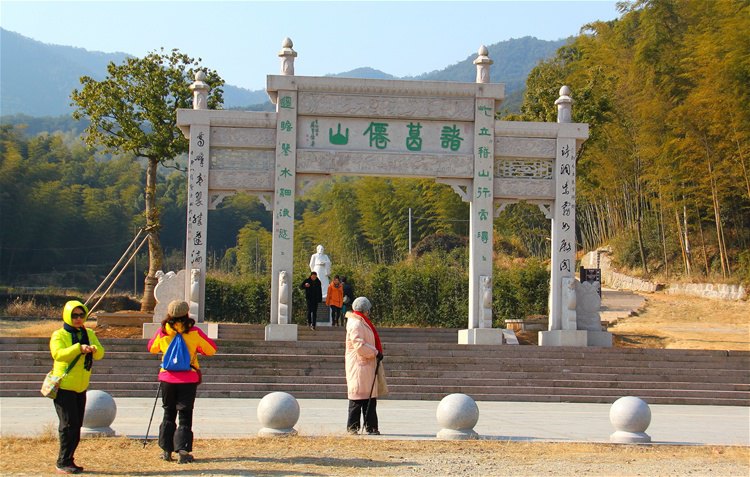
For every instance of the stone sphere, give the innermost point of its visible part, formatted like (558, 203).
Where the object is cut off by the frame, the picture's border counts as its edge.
(100, 410)
(457, 412)
(278, 411)
(630, 414)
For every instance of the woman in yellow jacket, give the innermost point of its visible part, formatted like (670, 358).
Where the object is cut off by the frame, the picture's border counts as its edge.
(66, 344)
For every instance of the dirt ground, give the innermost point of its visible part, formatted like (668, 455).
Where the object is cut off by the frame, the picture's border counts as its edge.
(683, 322)
(667, 321)
(355, 456)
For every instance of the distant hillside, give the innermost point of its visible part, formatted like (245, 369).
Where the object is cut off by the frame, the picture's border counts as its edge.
(36, 78)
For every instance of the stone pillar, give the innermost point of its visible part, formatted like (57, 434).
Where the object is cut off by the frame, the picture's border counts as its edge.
(480, 219)
(197, 210)
(562, 314)
(280, 327)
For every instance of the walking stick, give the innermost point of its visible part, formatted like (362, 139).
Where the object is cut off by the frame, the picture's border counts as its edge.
(145, 439)
(367, 411)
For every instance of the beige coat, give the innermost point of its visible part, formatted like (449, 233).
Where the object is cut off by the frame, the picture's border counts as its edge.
(360, 358)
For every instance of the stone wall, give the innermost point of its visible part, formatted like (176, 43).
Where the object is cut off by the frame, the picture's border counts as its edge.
(613, 279)
(708, 290)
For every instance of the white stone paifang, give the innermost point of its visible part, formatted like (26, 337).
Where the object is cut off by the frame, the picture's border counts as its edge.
(446, 131)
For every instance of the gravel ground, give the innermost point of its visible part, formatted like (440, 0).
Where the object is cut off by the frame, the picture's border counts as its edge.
(353, 456)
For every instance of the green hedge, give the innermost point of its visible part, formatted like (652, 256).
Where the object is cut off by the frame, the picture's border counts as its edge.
(429, 292)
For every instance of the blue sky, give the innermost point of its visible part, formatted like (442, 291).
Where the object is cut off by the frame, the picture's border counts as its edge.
(240, 39)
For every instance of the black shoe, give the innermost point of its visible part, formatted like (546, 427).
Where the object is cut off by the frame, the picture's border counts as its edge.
(353, 431)
(185, 457)
(374, 432)
(68, 469)
(165, 455)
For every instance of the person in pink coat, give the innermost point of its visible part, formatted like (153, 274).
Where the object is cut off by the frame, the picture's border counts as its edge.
(363, 353)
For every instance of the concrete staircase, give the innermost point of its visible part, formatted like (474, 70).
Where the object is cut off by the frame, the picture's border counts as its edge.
(421, 364)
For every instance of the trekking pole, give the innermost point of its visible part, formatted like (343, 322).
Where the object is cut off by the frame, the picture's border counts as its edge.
(367, 410)
(145, 439)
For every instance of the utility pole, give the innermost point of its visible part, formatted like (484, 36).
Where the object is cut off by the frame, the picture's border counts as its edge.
(409, 230)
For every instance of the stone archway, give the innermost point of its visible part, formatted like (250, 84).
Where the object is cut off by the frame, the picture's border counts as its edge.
(422, 129)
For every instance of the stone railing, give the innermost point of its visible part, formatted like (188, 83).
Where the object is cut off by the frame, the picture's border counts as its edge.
(708, 290)
(621, 281)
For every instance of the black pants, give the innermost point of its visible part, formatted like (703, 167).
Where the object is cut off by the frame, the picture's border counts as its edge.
(335, 315)
(359, 407)
(312, 314)
(70, 407)
(177, 399)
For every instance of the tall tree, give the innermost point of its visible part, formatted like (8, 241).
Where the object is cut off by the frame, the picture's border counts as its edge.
(134, 109)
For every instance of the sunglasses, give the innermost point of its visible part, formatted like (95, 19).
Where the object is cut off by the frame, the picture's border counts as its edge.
(77, 315)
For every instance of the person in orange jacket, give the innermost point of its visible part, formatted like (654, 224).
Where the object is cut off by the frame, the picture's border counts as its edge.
(179, 387)
(72, 341)
(335, 299)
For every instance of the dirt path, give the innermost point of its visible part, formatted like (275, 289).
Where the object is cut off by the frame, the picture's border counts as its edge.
(684, 322)
(352, 456)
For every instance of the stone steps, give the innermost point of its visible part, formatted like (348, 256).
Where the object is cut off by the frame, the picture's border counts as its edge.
(423, 369)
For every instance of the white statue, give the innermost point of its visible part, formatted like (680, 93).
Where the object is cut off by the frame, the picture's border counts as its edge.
(283, 318)
(171, 286)
(588, 304)
(568, 311)
(485, 320)
(194, 299)
(321, 264)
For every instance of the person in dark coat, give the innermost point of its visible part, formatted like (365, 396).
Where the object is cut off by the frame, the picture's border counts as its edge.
(313, 296)
(348, 299)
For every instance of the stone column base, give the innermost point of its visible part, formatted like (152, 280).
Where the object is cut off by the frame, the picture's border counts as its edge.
(481, 336)
(599, 338)
(275, 332)
(211, 329)
(563, 338)
(575, 338)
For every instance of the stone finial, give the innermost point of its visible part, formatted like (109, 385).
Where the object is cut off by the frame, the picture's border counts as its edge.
(483, 63)
(457, 414)
(200, 90)
(564, 106)
(278, 412)
(287, 55)
(99, 414)
(630, 417)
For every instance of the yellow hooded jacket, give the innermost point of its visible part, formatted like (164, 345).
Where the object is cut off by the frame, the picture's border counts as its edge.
(64, 352)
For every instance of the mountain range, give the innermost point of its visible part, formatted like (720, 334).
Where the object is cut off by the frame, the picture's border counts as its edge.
(36, 78)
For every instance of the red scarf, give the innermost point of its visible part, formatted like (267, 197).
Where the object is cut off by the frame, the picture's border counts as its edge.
(378, 345)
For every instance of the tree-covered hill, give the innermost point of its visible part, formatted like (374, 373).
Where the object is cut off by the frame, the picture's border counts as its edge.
(665, 175)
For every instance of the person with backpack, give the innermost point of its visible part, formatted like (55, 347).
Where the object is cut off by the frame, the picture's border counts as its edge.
(180, 341)
(74, 349)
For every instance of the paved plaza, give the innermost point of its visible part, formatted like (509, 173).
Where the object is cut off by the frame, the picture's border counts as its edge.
(517, 421)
